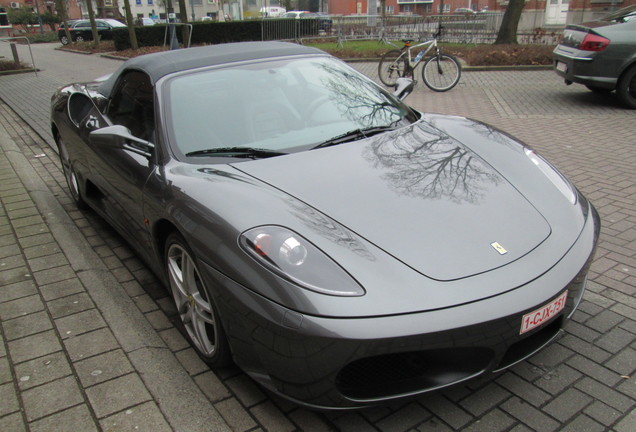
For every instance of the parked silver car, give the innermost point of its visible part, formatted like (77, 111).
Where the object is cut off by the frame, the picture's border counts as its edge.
(601, 55)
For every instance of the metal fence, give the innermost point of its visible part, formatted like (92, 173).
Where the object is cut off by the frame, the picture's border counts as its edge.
(458, 28)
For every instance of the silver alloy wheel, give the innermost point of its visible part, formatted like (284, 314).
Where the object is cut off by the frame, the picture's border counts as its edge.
(191, 299)
(79, 38)
(69, 173)
(64, 40)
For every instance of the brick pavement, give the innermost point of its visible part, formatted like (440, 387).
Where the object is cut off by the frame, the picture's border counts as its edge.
(87, 335)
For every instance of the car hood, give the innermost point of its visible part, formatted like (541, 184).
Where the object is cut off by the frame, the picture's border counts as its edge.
(419, 195)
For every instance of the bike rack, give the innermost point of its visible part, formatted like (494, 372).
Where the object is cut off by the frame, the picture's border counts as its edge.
(15, 55)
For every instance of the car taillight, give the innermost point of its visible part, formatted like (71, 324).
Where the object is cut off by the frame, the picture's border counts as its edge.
(593, 42)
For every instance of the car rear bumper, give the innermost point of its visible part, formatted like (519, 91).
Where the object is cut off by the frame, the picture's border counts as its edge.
(581, 67)
(336, 363)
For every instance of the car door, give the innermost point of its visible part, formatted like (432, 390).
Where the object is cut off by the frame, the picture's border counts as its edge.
(119, 172)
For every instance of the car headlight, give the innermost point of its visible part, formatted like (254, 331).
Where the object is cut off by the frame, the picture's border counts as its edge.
(294, 258)
(551, 173)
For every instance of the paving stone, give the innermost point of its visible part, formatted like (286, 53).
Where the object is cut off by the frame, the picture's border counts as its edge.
(602, 413)
(143, 418)
(74, 419)
(41, 250)
(8, 400)
(407, 417)
(70, 305)
(310, 421)
(53, 275)
(5, 371)
(485, 399)
(595, 370)
(61, 289)
(90, 344)
(235, 415)
(82, 322)
(42, 370)
(558, 379)
(615, 340)
(15, 275)
(26, 325)
(145, 303)
(173, 339)
(50, 398)
(627, 424)
(603, 393)
(212, 387)
(103, 367)
(12, 423)
(12, 262)
(246, 390)
(34, 346)
(447, 411)
(36, 240)
(523, 389)
(271, 418)
(118, 394)
(17, 290)
(583, 423)
(191, 362)
(20, 307)
(568, 404)
(47, 262)
(529, 415)
(431, 425)
(158, 320)
(494, 421)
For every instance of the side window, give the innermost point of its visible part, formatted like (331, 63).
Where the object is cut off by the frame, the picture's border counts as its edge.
(132, 105)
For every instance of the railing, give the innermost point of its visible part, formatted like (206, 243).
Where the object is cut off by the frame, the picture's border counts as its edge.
(458, 28)
(14, 51)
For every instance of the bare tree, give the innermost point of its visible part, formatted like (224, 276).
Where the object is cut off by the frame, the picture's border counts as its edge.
(131, 25)
(508, 30)
(91, 17)
(60, 6)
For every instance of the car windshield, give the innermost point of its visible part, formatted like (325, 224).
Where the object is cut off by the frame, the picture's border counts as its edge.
(622, 15)
(278, 106)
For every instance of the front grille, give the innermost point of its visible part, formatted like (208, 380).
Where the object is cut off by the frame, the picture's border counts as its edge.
(410, 372)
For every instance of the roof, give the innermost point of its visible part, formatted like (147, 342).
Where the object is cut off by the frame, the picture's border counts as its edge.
(164, 63)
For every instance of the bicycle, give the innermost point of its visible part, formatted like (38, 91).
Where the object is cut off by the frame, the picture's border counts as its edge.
(441, 72)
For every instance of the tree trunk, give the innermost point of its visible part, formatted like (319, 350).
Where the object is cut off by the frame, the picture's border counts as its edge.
(60, 6)
(508, 30)
(131, 25)
(183, 16)
(91, 17)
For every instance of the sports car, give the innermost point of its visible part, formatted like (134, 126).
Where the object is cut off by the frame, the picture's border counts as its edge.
(340, 247)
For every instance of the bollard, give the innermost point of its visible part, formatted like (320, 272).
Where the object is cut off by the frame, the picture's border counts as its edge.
(14, 51)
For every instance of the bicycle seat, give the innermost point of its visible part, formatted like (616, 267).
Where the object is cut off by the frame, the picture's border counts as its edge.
(408, 41)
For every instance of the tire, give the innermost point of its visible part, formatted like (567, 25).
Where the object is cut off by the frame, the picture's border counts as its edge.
(626, 89)
(393, 65)
(64, 40)
(195, 306)
(441, 73)
(598, 90)
(69, 173)
(79, 38)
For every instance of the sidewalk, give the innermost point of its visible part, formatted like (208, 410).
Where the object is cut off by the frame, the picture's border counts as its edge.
(86, 334)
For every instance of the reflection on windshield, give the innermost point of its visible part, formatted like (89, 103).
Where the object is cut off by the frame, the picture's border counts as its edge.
(421, 161)
(282, 105)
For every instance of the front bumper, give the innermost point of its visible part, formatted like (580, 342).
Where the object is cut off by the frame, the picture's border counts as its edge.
(340, 363)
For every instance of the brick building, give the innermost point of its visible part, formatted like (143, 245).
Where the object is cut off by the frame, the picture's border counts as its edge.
(537, 13)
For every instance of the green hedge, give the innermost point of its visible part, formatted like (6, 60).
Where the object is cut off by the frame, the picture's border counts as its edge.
(218, 32)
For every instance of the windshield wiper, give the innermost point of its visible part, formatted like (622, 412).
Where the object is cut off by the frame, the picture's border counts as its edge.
(355, 135)
(247, 152)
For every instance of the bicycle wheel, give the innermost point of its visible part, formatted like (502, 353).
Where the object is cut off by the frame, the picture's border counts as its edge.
(393, 65)
(441, 72)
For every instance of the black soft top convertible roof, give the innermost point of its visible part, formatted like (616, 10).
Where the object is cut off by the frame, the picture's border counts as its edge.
(164, 63)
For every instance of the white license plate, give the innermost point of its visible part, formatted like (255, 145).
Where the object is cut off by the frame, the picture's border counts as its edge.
(543, 314)
(562, 67)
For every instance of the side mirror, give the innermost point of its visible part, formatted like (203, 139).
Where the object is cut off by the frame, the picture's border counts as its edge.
(404, 87)
(120, 136)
